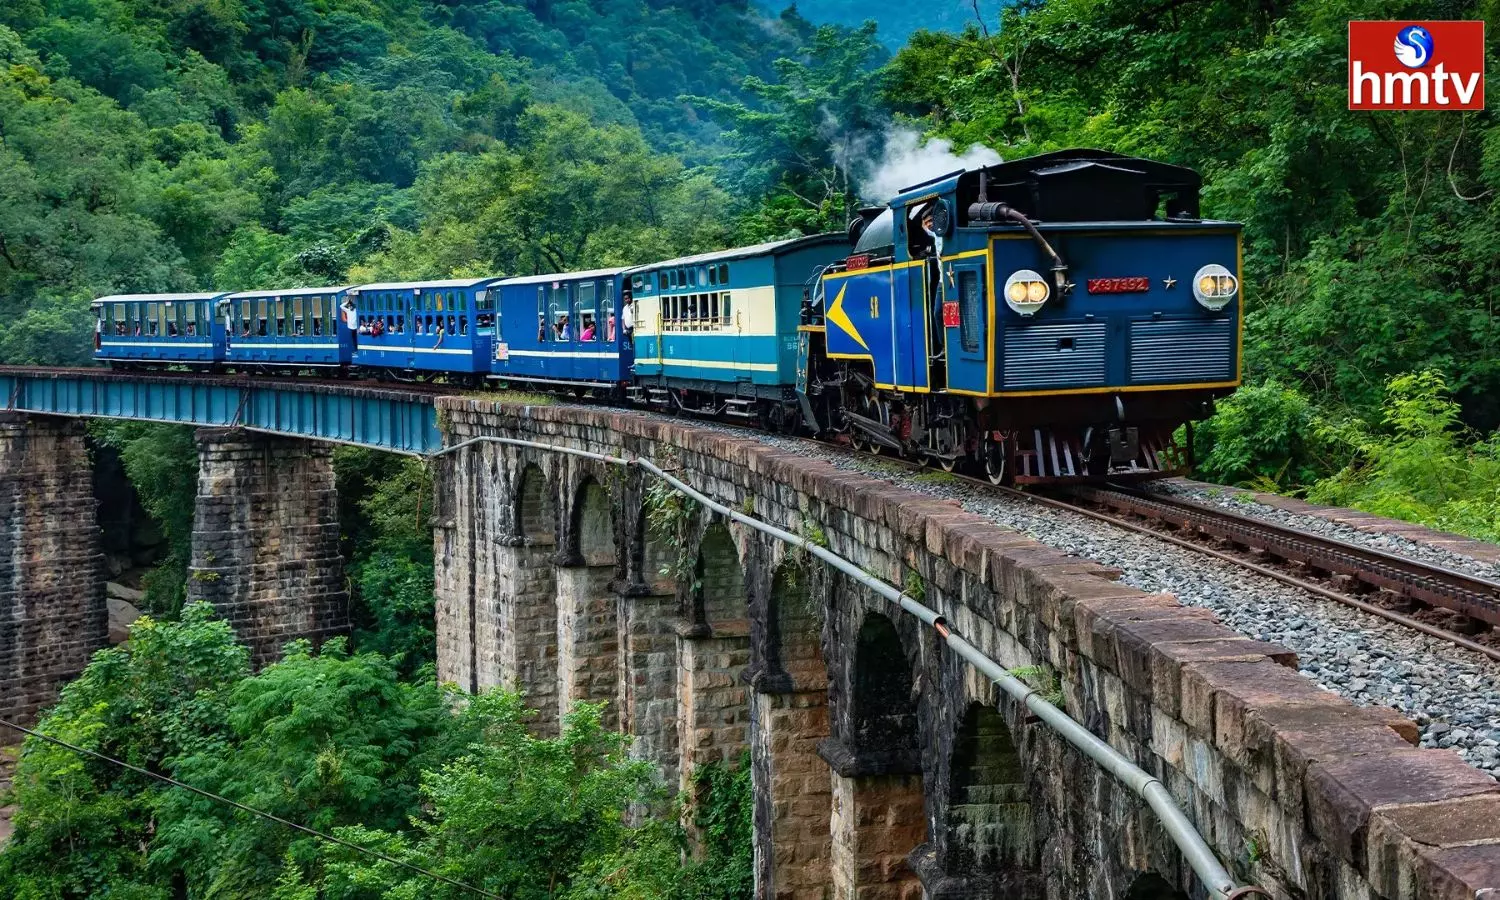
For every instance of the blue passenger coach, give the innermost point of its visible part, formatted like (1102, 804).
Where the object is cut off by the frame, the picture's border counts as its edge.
(290, 328)
(425, 328)
(719, 330)
(562, 329)
(157, 329)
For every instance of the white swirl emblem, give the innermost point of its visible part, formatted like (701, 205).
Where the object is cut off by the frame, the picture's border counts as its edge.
(1414, 46)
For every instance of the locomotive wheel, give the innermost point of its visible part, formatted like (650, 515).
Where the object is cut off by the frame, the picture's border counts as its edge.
(996, 458)
(945, 463)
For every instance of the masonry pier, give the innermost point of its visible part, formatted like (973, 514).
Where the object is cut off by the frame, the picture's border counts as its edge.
(266, 539)
(52, 608)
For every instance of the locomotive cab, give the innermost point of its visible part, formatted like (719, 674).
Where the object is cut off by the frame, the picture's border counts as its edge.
(1053, 318)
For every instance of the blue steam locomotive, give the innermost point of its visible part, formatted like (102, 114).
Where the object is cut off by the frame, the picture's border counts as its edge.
(1053, 318)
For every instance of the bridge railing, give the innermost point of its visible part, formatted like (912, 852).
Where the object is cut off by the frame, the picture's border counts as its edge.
(401, 422)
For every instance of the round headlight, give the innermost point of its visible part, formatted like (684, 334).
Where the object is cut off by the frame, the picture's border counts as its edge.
(1214, 286)
(1025, 292)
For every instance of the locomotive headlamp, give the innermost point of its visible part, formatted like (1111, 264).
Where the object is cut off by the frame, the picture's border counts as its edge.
(1215, 286)
(1026, 291)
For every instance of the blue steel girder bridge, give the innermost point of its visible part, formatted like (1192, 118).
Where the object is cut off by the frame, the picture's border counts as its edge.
(401, 420)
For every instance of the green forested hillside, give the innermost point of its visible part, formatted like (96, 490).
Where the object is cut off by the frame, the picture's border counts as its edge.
(158, 144)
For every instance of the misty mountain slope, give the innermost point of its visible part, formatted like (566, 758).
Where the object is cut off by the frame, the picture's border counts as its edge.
(897, 19)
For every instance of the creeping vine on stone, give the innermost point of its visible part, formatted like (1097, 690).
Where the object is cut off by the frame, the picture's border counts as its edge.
(670, 518)
(1043, 680)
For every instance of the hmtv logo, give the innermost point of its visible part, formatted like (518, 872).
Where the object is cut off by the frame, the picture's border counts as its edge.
(1416, 65)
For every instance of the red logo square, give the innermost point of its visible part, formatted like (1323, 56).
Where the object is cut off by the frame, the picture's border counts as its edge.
(1416, 65)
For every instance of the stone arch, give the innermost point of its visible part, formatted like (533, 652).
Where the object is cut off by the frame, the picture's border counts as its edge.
(536, 510)
(884, 710)
(713, 653)
(719, 589)
(794, 623)
(592, 521)
(990, 829)
(878, 809)
(588, 636)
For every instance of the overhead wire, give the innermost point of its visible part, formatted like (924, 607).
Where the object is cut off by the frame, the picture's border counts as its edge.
(376, 854)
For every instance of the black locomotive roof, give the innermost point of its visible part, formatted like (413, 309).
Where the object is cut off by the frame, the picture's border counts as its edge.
(1075, 185)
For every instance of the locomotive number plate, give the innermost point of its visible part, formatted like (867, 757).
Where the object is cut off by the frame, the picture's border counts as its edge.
(1130, 285)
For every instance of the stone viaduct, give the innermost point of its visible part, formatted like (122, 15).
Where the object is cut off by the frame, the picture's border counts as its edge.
(883, 766)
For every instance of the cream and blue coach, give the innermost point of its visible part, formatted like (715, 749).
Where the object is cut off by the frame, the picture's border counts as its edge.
(717, 332)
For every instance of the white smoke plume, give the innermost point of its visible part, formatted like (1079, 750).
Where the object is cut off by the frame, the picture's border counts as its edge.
(908, 159)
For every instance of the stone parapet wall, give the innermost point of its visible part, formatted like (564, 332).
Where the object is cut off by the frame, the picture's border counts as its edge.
(53, 614)
(266, 540)
(1297, 790)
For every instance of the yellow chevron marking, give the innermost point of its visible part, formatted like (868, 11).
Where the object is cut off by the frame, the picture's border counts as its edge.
(837, 316)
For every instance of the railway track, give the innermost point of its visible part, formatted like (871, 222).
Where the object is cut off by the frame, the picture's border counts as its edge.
(1453, 606)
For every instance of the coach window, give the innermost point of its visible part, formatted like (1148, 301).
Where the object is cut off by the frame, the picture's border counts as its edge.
(726, 311)
(260, 318)
(440, 299)
(280, 317)
(315, 314)
(724, 273)
(541, 313)
(607, 310)
(588, 308)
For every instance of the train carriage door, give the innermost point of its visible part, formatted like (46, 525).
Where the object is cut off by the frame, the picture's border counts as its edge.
(916, 291)
(966, 324)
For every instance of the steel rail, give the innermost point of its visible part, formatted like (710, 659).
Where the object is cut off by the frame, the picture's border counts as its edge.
(1195, 850)
(1319, 590)
(1430, 584)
